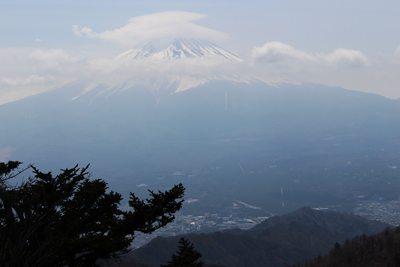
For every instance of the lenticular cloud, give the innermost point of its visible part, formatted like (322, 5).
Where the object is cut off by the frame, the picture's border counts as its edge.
(172, 24)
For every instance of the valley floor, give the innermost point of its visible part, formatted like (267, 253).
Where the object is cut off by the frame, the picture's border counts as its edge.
(383, 211)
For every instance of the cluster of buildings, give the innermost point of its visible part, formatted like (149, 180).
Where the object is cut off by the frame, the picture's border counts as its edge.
(185, 224)
(383, 211)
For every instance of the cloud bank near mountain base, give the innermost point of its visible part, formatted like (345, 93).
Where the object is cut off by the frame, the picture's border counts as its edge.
(280, 53)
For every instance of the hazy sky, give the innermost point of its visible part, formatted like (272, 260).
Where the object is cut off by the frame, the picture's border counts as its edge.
(353, 44)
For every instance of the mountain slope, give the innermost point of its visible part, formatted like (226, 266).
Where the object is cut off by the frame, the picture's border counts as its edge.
(315, 143)
(333, 221)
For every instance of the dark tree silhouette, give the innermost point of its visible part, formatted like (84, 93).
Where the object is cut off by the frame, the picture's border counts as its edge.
(382, 249)
(186, 256)
(71, 220)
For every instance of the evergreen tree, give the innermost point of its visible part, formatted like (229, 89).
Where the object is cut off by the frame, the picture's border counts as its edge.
(71, 220)
(186, 256)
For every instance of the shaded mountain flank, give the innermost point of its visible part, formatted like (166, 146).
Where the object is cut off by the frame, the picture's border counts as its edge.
(278, 241)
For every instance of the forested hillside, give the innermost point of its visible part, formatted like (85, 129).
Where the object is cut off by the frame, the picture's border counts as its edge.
(382, 249)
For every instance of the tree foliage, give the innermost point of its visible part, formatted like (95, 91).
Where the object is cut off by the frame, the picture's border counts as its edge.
(382, 249)
(71, 220)
(186, 256)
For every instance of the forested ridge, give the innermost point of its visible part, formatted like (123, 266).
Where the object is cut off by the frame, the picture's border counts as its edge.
(382, 249)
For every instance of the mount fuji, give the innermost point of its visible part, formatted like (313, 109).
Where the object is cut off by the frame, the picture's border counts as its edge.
(167, 67)
(224, 136)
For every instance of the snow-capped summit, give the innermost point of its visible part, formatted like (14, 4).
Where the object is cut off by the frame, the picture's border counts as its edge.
(181, 48)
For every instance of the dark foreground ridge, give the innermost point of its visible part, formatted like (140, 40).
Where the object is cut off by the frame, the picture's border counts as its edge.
(278, 241)
(382, 249)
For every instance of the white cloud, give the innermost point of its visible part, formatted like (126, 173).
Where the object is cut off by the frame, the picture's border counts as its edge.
(53, 57)
(346, 57)
(38, 40)
(27, 71)
(31, 80)
(171, 24)
(280, 53)
(76, 30)
(274, 52)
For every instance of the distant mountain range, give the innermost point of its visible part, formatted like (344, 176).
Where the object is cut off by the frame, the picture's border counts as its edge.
(278, 241)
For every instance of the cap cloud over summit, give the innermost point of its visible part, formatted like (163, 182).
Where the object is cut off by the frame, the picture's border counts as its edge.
(175, 24)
